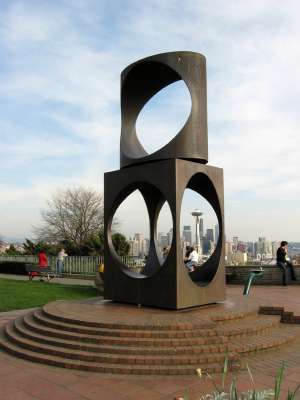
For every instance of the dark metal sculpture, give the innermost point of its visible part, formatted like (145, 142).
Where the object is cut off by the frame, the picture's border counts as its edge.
(163, 176)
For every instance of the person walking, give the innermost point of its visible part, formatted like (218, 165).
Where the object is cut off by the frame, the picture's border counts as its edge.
(60, 261)
(283, 263)
(43, 263)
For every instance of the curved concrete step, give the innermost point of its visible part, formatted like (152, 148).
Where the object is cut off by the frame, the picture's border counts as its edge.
(105, 368)
(75, 354)
(238, 329)
(248, 327)
(192, 355)
(31, 323)
(279, 336)
(43, 319)
(50, 313)
(234, 316)
(100, 348)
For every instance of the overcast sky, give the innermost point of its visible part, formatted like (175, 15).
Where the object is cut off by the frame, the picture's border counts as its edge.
(59, 100)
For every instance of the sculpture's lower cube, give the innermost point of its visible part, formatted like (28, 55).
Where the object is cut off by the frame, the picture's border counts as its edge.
(169, 285)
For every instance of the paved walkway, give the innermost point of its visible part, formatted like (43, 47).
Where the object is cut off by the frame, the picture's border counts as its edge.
(65, 280)
(22, 380)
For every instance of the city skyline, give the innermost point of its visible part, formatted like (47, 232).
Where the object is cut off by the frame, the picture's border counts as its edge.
(60, 112)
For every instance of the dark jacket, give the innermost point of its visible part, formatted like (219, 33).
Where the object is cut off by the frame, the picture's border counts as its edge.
(281, 254)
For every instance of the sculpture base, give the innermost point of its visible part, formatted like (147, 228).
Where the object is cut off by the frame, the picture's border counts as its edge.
(115, 338)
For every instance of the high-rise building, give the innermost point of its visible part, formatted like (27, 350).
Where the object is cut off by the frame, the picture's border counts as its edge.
(134, 248)
(217, 233)
(250, 249)
(187, 234)
(228, 248)
(210, 234)
(139, 246)
(242, 247)
(170, 236)
(163, 240)
(235, 240)
(264, 249)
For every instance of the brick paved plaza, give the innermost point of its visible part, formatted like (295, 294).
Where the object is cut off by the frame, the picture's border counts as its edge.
(26, 380)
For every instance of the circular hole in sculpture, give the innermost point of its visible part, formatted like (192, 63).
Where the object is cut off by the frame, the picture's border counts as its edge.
(131, 233)
(164, 233)
(199, 228)
(163, 116)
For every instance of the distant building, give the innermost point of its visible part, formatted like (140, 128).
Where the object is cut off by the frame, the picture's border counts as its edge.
(139, 246)
(134, 248)
(187, 234)
(241, 247)
(217, 232)
(170, 236)
(4, 246)
(163, 240)
(208, 246)
(235, 240)
(250, 249)
(237, 258)
(210, 234)
(264, 249)
(228, 248)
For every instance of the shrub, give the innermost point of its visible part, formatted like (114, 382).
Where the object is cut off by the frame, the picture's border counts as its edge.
(220, 392)
(12, 267)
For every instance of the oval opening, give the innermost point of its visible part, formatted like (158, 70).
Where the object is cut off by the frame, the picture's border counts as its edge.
(199, 228)
(163, 116)
(164, 233)
(131, 232)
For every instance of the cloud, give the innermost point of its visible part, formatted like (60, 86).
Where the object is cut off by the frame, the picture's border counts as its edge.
(63, 61)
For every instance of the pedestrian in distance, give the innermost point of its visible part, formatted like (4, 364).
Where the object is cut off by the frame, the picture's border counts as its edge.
(187, 254)
(165, 252)
(60, 261)
(193, 260)
(43, 263)
(284, 264)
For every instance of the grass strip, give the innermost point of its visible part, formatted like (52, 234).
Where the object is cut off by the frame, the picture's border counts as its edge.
(17, 295)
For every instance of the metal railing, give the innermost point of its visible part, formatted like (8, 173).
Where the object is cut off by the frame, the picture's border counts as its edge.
(76, 265)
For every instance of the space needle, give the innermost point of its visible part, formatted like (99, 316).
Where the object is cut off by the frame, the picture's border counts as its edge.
(197, 214)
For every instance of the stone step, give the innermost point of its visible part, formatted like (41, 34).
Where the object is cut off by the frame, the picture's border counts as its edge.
(106, 368)
(241, 328)
(277, 337)
(126, 359)
(49, 311)
(114, 349)
(234, 316)
(41, 318)
(248, 327)
(33, 325)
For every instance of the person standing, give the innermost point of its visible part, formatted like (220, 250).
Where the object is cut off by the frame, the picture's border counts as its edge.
(60, 261)
(283, 263)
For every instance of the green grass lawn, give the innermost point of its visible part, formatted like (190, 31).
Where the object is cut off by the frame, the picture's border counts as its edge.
(16, 295)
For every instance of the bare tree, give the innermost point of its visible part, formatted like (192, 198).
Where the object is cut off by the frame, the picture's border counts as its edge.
(73, 215)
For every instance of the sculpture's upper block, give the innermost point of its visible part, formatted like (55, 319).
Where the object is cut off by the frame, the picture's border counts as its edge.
(142, 80)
